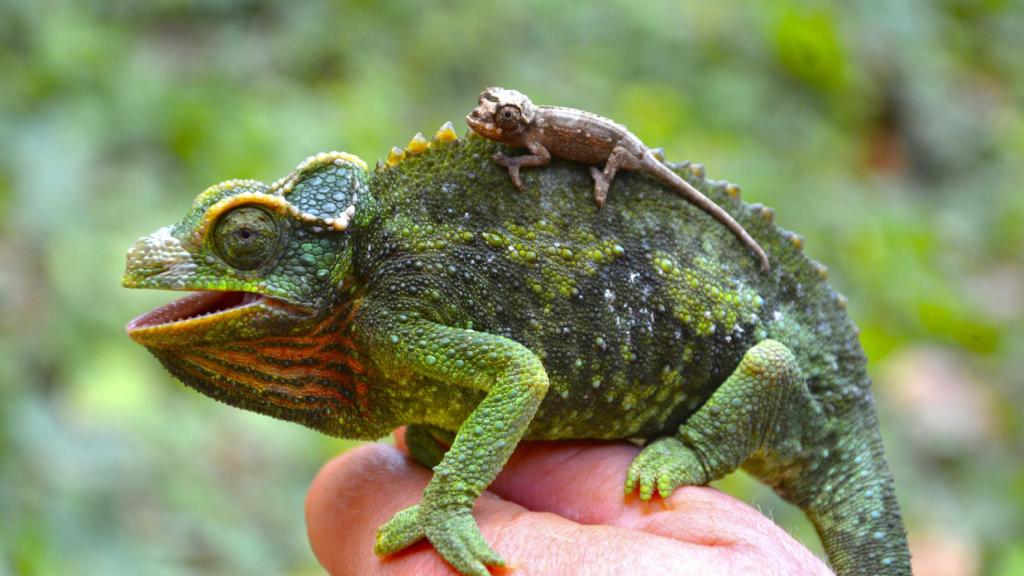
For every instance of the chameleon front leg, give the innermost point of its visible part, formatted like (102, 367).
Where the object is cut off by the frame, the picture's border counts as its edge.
(758, 412)
(515, 383)
(619, 159)
(539, 156)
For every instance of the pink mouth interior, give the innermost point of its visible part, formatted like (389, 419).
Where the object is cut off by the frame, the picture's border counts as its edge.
(193, 306)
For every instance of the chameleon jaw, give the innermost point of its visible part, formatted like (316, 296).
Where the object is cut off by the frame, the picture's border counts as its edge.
(480, 122)
(197, 314)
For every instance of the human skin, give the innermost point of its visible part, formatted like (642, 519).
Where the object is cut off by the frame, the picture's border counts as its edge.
(557, 508)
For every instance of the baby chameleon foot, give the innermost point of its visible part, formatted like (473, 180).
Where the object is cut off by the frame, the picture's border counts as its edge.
(509, 162)
(600, 186)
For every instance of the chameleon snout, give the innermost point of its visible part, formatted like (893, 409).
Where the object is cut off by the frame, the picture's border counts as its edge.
(479, 121)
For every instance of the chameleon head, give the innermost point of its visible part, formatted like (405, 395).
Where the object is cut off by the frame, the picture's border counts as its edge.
(503, 115)
(267, 267)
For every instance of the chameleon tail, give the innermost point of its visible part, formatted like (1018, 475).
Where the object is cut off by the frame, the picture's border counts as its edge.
(853, 505)
(695, 197)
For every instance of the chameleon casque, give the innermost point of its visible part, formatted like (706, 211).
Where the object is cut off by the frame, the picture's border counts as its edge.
(427, 292)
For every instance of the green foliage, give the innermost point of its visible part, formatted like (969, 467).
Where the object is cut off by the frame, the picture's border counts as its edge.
(888, 134)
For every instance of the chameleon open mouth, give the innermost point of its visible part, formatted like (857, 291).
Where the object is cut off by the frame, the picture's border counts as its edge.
(194, 309)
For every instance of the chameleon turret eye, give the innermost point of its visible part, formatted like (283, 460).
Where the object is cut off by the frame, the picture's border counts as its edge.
(508, 116)
(245, 237)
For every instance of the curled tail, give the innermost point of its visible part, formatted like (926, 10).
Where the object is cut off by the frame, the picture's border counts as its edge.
(695, 197)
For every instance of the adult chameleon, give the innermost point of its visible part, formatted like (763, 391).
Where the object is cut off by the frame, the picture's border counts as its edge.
(353, 301)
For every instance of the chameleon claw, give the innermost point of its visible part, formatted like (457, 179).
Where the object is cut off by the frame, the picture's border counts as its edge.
(513, 168)
(513, 171)
(500, 158)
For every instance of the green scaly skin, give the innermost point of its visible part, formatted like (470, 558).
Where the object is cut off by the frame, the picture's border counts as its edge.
(481, 315)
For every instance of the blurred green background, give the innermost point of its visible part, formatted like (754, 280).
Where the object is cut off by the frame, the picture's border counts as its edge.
(890, 134)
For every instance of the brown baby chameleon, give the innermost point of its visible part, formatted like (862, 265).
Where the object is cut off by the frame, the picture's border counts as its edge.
(510, 117)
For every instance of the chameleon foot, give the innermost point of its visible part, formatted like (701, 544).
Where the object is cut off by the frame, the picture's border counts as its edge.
(600, 186)
(513, 168)
(454, 535)
(665, 464)
(402, 531)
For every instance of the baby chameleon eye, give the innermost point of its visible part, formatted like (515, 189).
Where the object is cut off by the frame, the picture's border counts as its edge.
(508, 116)
(245, 237)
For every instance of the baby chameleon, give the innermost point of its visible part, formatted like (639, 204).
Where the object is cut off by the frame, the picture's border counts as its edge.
(509, 117)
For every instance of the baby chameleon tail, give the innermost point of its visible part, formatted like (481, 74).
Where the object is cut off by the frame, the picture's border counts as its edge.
(764, 418)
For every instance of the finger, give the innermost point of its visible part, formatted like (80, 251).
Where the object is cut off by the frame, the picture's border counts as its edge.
(583, 481)
(359, 491)
(351, 497)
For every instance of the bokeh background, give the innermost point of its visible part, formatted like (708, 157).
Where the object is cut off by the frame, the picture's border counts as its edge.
(889, 133)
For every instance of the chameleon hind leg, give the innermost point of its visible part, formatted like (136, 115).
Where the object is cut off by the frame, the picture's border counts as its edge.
(619, 159)
(764, 418)
(759, 410)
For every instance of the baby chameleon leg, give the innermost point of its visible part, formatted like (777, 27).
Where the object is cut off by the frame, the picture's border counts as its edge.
(760, 410)
(538, 156)
(620, 158)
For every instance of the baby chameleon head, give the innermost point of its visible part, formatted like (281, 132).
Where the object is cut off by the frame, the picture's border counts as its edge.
(503, 115)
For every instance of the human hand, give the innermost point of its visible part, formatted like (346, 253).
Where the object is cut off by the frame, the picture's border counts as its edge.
(556, 508)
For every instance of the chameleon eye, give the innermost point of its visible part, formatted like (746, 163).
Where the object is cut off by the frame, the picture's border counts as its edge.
(245, 237)
(508, 116)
